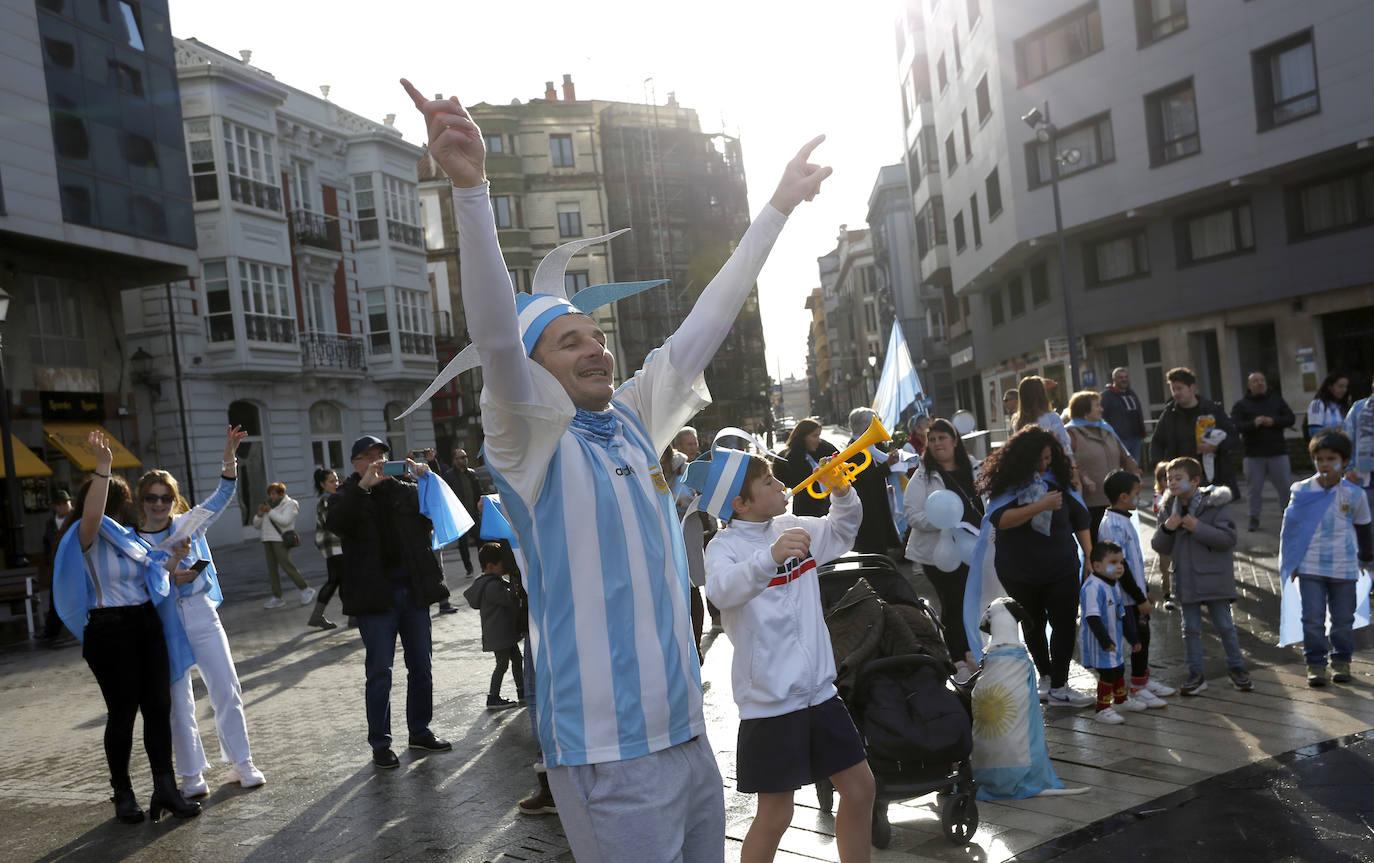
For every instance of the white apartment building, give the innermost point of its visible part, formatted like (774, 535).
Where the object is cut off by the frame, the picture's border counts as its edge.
(310, 321)
(1217, 188)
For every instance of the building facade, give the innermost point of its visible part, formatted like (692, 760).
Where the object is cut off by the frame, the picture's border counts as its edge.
(563, 168)
(855, 332)
(918, 306)
(309, 320)
(1217, 188)
(95, 197)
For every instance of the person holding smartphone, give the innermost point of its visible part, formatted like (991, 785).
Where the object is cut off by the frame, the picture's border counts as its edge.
(194, 633)
(390, 578)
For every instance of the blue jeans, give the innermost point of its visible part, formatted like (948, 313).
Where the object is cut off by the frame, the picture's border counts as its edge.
(1319, 593)
(1133, 446)
(1220, 612)
(379, 633)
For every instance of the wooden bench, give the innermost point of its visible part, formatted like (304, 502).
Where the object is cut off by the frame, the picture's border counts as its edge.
(21, 585)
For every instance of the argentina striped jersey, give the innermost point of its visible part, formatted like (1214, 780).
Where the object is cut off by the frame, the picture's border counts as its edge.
(616, 671)
(1332, 551)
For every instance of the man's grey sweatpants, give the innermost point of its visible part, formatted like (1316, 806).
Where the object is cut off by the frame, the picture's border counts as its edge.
(664, 807)
(1279, 473)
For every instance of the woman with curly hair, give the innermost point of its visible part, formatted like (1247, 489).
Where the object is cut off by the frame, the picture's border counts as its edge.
(1038, 516)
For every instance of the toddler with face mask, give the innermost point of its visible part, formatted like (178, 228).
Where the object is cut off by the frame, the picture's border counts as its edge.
(1108, 633)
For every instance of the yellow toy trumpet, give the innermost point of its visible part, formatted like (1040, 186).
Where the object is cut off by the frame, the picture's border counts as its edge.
(839, 472)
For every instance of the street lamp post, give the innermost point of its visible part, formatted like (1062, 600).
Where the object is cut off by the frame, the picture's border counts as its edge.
(1048, 134)
(14, 551)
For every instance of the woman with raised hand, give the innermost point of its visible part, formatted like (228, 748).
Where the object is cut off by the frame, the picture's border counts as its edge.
(104, 584)
(194, 633)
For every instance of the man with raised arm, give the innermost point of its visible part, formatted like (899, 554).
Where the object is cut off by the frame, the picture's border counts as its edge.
(618, 687)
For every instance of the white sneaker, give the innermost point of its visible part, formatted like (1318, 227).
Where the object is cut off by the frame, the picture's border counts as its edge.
(307, 595)
(1158, 689)
(1109, 716)
(1044, 688)
(246, 775)
(1066, 697)
(1133, 704)
(275, 602)
(1148, 698)
(194, 786)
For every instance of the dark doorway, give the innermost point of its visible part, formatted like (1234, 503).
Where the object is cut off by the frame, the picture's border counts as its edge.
(1258, 351)
(1349, 342)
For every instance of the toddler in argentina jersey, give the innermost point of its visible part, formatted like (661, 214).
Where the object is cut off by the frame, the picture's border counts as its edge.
(1106, 630)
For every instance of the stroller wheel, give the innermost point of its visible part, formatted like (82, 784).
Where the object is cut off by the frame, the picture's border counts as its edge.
(959, 818)
(825, 796)
(882, 830)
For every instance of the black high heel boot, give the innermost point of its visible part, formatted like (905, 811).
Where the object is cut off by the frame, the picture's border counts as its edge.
(126, 806)
(167, 797)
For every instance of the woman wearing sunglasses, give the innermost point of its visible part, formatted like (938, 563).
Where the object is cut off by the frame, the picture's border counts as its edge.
(104, 584)
(194, 633)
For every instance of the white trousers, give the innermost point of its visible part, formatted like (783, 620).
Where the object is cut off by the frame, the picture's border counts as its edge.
(216, 665)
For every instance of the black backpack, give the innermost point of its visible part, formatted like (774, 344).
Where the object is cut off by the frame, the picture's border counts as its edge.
(909, 715)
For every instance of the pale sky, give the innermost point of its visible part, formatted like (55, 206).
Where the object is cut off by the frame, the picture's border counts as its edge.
(774, 73)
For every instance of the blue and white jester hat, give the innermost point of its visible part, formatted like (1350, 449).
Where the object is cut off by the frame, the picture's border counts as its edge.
(547, 300)
(718, 476)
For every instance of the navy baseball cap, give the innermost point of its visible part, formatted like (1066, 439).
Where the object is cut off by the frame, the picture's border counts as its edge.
(367, 442)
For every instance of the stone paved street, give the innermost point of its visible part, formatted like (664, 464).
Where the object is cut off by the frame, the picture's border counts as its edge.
(324, 800)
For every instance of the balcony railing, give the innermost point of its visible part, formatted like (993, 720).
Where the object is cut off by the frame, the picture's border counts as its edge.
(321, 351)
(269, 328)
(417, 344)
(316, 229)
(410, 235)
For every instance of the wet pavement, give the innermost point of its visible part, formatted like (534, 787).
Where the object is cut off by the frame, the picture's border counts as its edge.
(1314, 805)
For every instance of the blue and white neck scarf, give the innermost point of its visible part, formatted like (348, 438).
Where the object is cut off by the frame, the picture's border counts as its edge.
(1037, 489)
(600, 427)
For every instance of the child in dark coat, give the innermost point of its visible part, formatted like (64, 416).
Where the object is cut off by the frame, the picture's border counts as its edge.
(502, 604)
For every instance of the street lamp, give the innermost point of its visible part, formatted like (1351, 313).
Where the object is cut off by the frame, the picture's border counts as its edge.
(1048, 134)
(870, 374)
(14, 551)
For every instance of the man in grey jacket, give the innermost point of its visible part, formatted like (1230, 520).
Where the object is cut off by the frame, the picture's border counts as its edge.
(1199, 533)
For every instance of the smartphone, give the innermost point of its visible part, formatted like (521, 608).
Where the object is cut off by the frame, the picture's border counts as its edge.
(418, 455)
(395, 468)
(199, 566)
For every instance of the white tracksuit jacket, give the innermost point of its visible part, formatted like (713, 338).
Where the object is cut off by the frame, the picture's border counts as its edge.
(772, 613)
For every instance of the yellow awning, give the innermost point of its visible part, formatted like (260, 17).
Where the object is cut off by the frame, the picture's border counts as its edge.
(71, 439)
(25, 462)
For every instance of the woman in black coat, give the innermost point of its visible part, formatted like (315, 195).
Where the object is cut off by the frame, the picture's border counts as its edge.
(803, 454)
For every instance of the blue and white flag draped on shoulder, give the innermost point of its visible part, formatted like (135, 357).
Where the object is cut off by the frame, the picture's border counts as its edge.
(1010, 758)
(441, 506)
(975, 599)
(1301, 519)
(899, 387)
(71, 585)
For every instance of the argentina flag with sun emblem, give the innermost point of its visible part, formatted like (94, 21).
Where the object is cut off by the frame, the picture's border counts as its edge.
(1010, 758)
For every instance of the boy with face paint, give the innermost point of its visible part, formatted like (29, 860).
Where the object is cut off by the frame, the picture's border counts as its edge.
(1199, 533)
(1106, 631)
(1324, 543)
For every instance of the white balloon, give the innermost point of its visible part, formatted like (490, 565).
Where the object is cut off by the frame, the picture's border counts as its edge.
(965, 542)
(946, 555)
(944, 509)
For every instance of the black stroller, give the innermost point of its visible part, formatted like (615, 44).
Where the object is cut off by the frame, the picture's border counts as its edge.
(916, 722)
